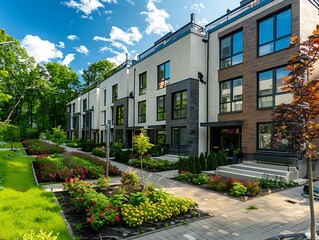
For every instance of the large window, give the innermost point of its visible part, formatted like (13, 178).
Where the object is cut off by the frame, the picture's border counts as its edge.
(161, 111)
(265, 137)
(180, 105)
(120, 115)
(142, 112)
(85, 105)
(142, 83)
(270, 83)
(114, 92)
(179, 136)
(231, 50)
(73, 107)
(231, 95)
(163, 75)
(275, 32)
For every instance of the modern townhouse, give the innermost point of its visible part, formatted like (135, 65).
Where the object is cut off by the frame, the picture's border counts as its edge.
(169, 90)
(204, 89)
(248, 54)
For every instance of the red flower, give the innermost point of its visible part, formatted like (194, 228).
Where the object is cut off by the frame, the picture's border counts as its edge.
(117, 218)
(91, 219)
(102, 214)
(111, 205)
(81, 199)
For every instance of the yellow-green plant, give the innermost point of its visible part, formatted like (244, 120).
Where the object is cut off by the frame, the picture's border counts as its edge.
(142, 145)
(42, 235)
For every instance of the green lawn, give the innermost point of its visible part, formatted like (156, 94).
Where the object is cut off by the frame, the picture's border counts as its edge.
(23, 205)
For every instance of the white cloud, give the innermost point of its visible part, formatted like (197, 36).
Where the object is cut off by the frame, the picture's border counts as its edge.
(131, 2)
(129, 37)
(41, 50)
(108, 11)
(73, 37)
(197, 7)
(68, 59)
(61, 45)
(97, 38)
(120, 46)
(85, 6)
(110, 1)
(82, 49)
(108, 49)
(156, 19)
(118, 59)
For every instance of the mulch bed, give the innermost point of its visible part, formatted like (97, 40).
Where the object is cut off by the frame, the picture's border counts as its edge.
(82, 229)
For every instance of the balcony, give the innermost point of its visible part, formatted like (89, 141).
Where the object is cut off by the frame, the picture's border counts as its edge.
(171, 36)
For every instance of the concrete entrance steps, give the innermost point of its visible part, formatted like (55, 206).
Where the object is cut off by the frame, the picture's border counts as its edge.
(169, 157)
(253, 170)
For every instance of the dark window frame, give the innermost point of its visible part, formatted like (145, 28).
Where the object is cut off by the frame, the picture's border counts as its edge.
(142, 86)
(141, 113)
(179, 110)
(120, 115)
(162, 83)
(104, 97)
(179, 136)
(85, 107)
(115, 93)
(274, 91)
(275, 27)
(271, 148)
(231, 96)
(160, 113)
(232, 54)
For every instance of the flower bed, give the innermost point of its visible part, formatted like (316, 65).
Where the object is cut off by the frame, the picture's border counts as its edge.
(235, 187)
(59, 169)
(119, 212)
(153, 165)
(37, 147)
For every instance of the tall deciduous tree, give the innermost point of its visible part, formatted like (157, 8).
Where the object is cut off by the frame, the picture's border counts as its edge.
(297, 121)
(64, 85)
(97, 72)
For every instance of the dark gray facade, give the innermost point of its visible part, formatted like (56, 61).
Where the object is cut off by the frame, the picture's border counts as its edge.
(191, 122)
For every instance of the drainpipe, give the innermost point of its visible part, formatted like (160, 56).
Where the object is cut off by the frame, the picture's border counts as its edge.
(207, 84)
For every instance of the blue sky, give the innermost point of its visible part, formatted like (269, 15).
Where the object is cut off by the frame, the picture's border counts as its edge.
(79, 32)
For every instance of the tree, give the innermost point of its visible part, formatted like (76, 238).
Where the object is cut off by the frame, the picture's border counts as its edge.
(142, 145)
(59, 135)
(97, 72)
(9, 133)
(296, 121)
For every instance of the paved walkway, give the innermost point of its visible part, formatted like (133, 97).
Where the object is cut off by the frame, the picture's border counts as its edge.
(279, 213)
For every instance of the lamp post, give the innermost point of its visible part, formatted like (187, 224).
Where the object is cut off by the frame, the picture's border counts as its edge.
(107, 146)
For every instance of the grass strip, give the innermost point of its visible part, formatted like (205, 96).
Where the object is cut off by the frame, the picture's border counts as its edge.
(23, 205)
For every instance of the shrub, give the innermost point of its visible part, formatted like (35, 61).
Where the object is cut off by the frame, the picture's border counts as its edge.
(238, 189)
(137, 198)
(42, 235)
(130, 181)
(88, 146)
(213, 181)
(253, 188)
(103, 182)
(203, 162)
(201, 179)
(185, 177)
(212, 161)
(221, 158)
(222, 187)
(99, 151)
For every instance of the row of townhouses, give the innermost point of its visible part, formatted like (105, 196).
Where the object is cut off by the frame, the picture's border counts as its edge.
(203, 88)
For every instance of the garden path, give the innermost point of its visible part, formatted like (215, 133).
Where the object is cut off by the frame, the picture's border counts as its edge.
(283, 212)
